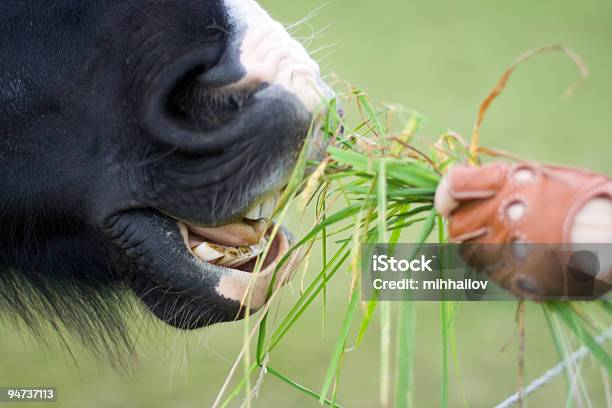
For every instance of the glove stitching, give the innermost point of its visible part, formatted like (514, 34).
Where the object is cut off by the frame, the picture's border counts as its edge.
(504, 206)
(522, 166)
(471, 235)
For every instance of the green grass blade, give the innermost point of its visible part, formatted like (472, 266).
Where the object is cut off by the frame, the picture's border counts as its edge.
(385, 307)
(411, 173)
(405, 355)
(371, 115)
(382, 200)
(354, 159)
(365, 322)
(301, 388)
(606, 305)
(444, 323)
(555, 335)
(238, 388)
(340, 344)
(304, 302)
(446, 320)
(329, 220)
(385, 353)
(570, 318)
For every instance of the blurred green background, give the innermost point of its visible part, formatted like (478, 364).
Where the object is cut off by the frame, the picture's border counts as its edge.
(439, 58)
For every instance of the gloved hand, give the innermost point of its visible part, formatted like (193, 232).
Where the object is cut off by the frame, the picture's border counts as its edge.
(521, 204)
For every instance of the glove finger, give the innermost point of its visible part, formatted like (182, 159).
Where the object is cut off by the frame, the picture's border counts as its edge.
(471, 221)
(467, 183)
(445, 204)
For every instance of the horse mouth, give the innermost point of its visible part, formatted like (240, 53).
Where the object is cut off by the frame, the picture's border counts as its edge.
(239, 245)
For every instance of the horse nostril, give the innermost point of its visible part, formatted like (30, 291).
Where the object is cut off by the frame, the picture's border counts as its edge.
(226, 72)
(203, 106)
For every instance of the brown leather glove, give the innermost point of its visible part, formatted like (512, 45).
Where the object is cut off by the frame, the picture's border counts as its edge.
(525, 204)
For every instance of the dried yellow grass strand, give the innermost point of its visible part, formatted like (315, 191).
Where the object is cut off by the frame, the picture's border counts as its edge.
(501, 85)
(312, 184)
(366, 145)
(404, 138)
(438, 151)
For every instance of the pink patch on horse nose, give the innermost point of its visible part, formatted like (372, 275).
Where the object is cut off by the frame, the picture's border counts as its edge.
(270, 55)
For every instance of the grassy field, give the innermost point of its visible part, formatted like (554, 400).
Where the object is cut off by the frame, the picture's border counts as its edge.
(439, 58)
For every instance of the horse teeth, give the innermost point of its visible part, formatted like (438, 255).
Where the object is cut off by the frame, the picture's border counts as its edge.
(233, 245)
(264, 209)
(267, 207)
(259, 227)
(254, 213)
(236, 257)
(226, 256)
(208, 253)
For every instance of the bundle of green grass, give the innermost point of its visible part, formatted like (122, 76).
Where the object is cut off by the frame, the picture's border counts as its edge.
(378, 185)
